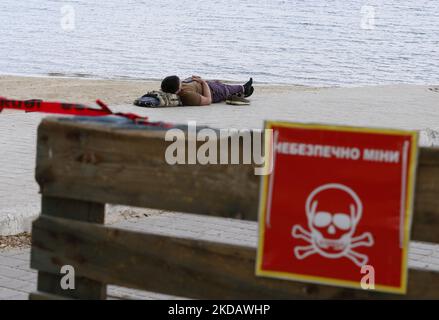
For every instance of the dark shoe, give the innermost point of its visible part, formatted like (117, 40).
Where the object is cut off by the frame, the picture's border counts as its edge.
(248, 94)
(248, 88)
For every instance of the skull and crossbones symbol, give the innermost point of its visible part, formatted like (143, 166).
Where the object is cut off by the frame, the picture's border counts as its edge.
(333, 211)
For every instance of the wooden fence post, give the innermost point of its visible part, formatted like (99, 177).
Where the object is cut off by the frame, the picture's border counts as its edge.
(49, 283)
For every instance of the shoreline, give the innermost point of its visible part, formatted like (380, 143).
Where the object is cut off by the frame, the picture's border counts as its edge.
(79, 76)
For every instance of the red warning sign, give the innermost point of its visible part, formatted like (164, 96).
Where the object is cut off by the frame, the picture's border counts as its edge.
(338, 200)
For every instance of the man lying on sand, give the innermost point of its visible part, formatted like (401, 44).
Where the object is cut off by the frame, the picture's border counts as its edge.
(199, 92)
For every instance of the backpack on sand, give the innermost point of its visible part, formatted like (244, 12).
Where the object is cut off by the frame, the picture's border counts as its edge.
(157, 99)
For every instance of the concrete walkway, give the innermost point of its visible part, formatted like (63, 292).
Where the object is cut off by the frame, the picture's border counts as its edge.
(17, 280)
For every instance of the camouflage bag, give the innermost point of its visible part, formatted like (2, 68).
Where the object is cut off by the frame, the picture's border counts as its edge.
(166, 99)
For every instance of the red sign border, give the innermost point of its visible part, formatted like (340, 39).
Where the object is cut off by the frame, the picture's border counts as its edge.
(263, 194)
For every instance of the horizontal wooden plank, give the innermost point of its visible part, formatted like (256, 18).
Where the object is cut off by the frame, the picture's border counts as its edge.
(179, 266)
(108, 164)
(128, 167)
(46, 296)
(85, 288)
(73, 209)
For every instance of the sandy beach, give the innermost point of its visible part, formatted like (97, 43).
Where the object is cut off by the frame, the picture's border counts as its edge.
(396, 106)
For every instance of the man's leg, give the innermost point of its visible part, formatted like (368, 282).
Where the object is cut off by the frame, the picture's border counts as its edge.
(220, 91)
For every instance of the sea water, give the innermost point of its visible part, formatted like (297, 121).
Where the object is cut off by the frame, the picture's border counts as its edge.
(304, 42)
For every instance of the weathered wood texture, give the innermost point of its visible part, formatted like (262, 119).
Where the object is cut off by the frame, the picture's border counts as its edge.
(73, 209)
(46, 296)
(101, 163)
(179, 266)
(85, 288)
(50, 282)
(104, 164)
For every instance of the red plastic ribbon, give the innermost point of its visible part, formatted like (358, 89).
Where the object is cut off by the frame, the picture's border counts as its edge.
(52, 107)
(73, 109)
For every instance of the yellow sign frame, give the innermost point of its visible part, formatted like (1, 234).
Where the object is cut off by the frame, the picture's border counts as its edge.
(408, 214)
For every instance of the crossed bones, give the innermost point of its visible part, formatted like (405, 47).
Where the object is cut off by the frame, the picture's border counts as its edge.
(301, 252)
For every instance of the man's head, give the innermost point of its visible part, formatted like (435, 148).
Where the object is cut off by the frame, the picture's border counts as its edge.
(171, 84)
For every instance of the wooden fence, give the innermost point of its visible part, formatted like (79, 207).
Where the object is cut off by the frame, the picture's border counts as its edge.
(81, 166)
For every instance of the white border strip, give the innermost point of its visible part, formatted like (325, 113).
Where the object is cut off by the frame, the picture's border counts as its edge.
(271, 182)
(402, 210)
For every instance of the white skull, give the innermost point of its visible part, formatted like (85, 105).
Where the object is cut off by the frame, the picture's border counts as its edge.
(333, 211)
(333, 224)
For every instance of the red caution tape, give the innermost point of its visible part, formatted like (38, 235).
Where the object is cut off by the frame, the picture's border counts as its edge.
(73, 109)
(52, 107)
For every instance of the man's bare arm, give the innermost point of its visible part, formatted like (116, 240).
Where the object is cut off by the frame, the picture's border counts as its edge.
(206, 97)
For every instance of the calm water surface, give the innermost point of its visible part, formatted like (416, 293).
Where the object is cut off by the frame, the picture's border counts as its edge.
(312, 42)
